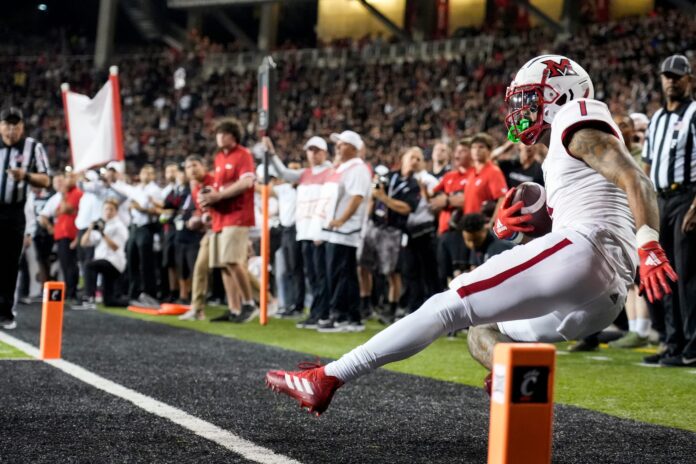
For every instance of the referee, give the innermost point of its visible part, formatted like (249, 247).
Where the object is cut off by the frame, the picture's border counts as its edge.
(24, 163)
(670, 156)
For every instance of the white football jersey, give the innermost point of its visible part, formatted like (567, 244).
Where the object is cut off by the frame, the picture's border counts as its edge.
(580, 198)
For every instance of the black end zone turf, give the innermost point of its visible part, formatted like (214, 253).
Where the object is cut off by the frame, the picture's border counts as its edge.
(382, 418)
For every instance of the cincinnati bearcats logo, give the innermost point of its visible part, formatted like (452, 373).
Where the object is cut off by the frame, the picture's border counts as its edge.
(564, 68)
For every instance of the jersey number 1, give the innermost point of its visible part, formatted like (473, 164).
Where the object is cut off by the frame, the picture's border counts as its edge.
(583, 108)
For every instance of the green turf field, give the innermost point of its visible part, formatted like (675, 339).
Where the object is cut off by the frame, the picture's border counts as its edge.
(9, 352)
(608, 380)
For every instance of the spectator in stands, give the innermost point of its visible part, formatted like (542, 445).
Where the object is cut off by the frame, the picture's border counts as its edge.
(485, 182)
(347, 192)
(441, 159)
(521, 168)
(394, 197)
(628, 132)
(309, 222)
(636, 307)
(42, 239)
(478, 238)
(231, 205)
(173, 195)
(142, 271)
(291, 248)
(447, 199)
(89, 210)
(108, 236)
(193, 242)
(420, 270)
(64, 211)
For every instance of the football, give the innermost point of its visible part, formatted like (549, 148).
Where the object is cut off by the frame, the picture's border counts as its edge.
(533, 196)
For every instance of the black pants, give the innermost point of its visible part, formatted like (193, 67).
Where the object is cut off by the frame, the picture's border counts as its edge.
(84, 254)
(68, 264)
(316, 271)
(110, 277)
(142, 273)
(680, 306)
(292, 252)
(11, 238)
(342, 263)
(419, 270)
(452, 255)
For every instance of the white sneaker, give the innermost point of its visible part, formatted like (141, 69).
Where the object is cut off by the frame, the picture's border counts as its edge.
(8, 324)
(193, 315)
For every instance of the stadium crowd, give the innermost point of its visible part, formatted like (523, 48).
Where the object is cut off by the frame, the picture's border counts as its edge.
(413, 153)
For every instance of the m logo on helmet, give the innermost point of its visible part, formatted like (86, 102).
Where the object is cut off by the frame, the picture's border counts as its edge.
(564, 68)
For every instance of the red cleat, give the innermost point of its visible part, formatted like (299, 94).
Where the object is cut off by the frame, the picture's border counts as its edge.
(310, 387)
(488, 383)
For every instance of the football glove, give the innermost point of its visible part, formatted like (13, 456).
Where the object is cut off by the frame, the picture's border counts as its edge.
(510, 225)
(654, 271)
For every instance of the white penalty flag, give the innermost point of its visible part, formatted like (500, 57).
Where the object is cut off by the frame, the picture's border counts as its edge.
(94, 124)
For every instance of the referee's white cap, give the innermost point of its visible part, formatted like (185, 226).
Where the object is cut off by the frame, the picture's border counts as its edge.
(349, 137)
(316, 142)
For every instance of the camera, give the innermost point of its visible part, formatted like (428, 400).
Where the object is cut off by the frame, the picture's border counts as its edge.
(98, 225)
(381, 178)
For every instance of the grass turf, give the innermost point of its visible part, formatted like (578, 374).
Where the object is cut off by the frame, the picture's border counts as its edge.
(608, 381)
(10, 352)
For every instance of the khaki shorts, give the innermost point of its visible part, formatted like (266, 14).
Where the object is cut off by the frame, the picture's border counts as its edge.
(229, 246)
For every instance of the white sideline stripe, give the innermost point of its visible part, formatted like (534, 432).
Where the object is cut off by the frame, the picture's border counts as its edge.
(203, 429)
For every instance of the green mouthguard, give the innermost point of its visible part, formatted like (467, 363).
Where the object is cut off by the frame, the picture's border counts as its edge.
(519, 128)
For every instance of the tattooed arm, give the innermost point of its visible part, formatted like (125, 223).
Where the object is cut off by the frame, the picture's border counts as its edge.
(608, 156)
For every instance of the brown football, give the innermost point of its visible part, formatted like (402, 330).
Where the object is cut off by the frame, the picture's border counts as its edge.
(533, 196)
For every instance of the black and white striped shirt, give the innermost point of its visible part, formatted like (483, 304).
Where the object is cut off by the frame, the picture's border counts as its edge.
(28, 154)
(670, 146)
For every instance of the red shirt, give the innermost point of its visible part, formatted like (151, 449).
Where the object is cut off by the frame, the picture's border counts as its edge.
(453, 181)
(487, 185)
(239, 210)
(64, 226)
(207, 181)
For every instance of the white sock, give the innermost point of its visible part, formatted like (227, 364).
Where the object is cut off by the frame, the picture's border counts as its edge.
(631, 325)
(248, 302)
(643, 327)
(440, 314)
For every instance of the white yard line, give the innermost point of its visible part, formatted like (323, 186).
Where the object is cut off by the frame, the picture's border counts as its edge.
(212, 432)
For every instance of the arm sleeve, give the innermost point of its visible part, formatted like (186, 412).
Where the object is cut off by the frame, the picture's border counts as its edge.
(497, 187)
(40, 165)
(358, 182)
(440, 187)
(30, 215)
(290, 175)
(412, 197)
(49, 209)
(246, 167)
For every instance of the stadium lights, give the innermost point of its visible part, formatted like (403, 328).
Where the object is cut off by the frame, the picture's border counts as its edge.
(42, 7)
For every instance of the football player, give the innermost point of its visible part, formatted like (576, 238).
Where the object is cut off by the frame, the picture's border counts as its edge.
(567, 284)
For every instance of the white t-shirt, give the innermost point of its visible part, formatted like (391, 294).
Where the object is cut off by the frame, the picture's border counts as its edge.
(51, 206)
(143, 195)
(89, 210)
(350, 179)
(118, 233)
(287, 199)
(582, 199)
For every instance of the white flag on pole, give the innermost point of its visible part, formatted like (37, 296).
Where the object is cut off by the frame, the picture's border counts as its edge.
(94, 125)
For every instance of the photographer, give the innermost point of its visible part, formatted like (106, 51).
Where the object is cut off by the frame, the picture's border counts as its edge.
(395, 196)
(109, 236)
